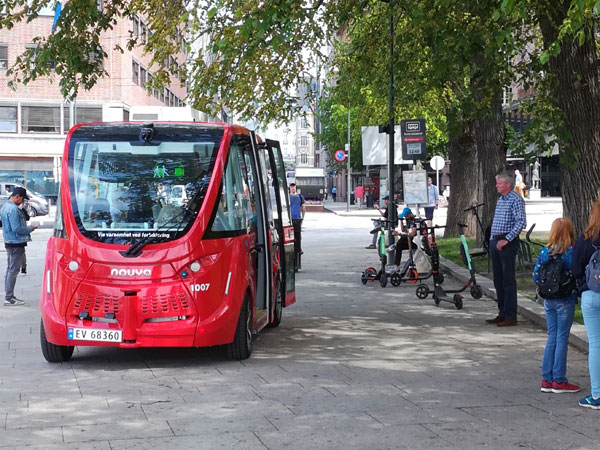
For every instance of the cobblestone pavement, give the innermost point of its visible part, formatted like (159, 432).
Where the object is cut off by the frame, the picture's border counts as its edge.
(350, 367)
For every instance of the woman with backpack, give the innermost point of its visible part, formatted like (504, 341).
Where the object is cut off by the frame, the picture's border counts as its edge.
(556, 285)
(583, 253)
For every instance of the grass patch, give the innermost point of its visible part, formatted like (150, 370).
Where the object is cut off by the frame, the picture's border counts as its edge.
(450, 249)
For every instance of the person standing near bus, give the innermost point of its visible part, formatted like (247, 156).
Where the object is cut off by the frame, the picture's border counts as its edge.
(16, 235)
(298, 210)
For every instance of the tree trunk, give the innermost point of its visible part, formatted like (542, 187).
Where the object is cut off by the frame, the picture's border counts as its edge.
(491, 159)
(463, 184)
(577, 94)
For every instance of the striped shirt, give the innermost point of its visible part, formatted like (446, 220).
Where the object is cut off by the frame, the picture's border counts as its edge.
(509, 218)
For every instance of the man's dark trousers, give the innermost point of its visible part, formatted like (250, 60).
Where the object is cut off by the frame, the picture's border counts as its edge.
(297, 223)
(505, 282)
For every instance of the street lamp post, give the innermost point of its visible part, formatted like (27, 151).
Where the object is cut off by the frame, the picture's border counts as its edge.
(392, 215)
(392, 205)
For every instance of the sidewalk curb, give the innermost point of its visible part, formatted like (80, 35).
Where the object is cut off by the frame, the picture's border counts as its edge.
(526, 306)
(353, 212)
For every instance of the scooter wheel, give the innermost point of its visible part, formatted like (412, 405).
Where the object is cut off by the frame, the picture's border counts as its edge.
(413, 276)
(476, 292)
(396, 279)
(436, 300)
(458, 301)
(383, 279)
(438, 278)
(422, 291)
(368, 275)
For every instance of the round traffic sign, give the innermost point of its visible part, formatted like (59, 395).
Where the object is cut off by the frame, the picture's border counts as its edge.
(340, 155)
(437, 163)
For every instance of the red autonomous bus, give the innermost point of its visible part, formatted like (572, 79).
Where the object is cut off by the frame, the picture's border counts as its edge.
(167, 235)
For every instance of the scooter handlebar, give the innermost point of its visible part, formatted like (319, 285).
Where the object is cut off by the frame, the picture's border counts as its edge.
(474, 207)
(528, 236)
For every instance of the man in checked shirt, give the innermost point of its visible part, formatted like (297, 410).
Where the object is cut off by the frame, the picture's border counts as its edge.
(509, 220)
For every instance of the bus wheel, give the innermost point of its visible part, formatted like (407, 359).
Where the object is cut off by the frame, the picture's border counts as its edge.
(54, 353)
(241, 347)
(278, 307)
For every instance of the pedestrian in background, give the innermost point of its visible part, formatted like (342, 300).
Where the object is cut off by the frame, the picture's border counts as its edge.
(434, 200)
(297, 209)
(16, 235)
(559, 311)
(334, 193)
(377, 223)
(509, 220)
(359, 193)
(585, 247)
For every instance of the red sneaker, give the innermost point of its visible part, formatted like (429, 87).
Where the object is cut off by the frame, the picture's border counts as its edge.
(559, 388)
(546, 386)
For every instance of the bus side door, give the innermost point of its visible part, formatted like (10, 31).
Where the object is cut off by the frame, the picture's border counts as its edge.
(283, 222)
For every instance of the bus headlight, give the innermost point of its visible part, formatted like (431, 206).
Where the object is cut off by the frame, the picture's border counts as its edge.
(195, 266)
(73, 266)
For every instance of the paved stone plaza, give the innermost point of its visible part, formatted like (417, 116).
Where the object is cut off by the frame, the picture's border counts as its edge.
(351, 366)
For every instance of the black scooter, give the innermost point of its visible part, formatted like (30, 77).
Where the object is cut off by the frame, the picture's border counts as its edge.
(409, 272)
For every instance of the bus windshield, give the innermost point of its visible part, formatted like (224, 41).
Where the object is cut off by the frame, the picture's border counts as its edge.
(123, 190)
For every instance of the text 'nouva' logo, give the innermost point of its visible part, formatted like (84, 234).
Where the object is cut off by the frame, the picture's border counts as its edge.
(130, 272)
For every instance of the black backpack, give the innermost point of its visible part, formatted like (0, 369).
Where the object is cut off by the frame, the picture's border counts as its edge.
(555, 281)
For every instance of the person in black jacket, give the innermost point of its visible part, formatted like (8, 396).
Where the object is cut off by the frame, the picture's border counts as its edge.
(585, 246)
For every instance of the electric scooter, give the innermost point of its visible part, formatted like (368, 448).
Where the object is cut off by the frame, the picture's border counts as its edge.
(439, 293)
(409, 272)
(371, 274)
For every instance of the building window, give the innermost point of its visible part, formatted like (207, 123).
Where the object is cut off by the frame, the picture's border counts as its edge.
(317, 159)
(8, 119)
(3, 56)
(136, 27)
(162, 96)
(142, 77)
(143, 32)
(135, 72)
(34, 49)
(83, 115)
(507, 96)
(40, 119)
(303, 141)
(303, 123)
(303, 158)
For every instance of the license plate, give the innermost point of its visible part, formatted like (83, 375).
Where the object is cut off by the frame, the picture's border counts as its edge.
(92, 334)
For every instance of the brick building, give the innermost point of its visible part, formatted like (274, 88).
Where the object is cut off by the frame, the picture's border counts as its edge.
(35, 118)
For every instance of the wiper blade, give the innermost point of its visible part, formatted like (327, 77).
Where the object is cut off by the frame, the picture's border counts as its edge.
(136, 249)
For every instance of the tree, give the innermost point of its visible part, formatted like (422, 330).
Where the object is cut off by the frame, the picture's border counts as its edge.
(567, 96)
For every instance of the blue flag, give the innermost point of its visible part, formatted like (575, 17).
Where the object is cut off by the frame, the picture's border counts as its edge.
(56, 15)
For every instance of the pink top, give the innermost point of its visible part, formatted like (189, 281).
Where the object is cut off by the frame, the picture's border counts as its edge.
(359, 191)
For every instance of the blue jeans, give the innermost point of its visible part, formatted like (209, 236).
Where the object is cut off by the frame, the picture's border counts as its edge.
(559, 318)
(590, 307)
(14, 263)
